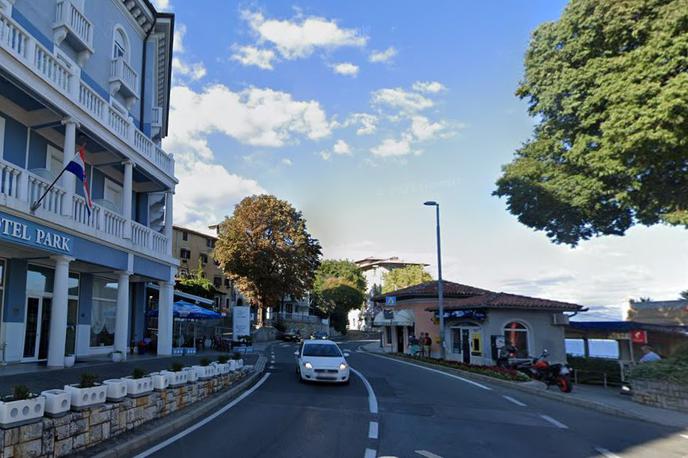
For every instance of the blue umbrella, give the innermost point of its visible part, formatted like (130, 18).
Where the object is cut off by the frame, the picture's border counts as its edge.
(189, 311)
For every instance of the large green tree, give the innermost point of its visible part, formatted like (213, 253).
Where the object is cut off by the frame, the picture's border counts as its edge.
(267, 251)
(608, 86)
(403, 277)
(339, 287)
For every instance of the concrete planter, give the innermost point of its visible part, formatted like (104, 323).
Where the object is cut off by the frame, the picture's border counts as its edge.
(117, 356)
(57, 402)
(69, 360)
(116, 389)
(221, 368)
(138, 386)
(175, 378)
(239, 363)
(160, 381)
(205, 372)
(13, 413)
(82, 398)
(191, 374)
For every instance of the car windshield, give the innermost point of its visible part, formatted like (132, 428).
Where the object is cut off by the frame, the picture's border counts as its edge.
(321, 350)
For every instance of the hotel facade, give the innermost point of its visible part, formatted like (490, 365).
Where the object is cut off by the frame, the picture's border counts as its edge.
(74, 280)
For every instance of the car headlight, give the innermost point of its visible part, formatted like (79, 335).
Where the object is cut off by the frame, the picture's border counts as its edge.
(342, 366)
(307, 365)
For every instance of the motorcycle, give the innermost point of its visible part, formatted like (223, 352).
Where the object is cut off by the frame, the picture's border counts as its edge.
(551, 374)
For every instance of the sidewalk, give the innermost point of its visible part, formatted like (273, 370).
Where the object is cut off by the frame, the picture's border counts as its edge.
(607, 400)
(38, 377)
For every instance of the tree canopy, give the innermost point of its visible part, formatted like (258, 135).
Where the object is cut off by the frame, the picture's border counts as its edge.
(339, 287)
(267, 250)
(608, 86)
(403, 277)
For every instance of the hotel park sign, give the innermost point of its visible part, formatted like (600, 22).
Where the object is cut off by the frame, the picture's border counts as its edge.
(18, 230)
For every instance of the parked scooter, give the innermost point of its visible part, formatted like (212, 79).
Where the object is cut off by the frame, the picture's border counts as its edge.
(551, 374)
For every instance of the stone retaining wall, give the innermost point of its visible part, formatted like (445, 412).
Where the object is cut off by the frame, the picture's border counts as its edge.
(74, 432)
(661, 394)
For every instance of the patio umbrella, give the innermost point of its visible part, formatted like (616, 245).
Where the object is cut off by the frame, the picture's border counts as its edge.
(188, 311)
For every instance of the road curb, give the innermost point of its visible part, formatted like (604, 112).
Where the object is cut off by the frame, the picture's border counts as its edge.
(535, 388)
(151, 436)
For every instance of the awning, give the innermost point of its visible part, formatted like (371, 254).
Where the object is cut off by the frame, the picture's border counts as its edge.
(189, 311)
(399, 318)
(190, 297)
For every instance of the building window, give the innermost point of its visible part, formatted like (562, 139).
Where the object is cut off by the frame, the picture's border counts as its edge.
(516, 334)
(456, 340)
(217, 282)
(184, 253)
(121, 45)
(204, 258)
(227, 283)
(103, 313)
(210, 243)
(185, 236)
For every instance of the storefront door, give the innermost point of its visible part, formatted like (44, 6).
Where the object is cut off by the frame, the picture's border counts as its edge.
(400, 339)
(37, 331)
(466, 345)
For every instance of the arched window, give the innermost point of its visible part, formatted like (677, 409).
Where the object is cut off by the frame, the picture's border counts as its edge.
(516, 334)
(120, 45)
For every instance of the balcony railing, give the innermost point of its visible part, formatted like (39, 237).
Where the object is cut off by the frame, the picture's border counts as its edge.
(15, 40)
(122, 74)
(72, 24)
(19, 188)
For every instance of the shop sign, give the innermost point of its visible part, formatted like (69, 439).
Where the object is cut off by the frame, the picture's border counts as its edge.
(468, 314)
(26, 233)
(618, 336)
(241, 322)
(639, 337)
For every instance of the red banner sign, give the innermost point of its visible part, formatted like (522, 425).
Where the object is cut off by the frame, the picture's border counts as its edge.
(639, 337)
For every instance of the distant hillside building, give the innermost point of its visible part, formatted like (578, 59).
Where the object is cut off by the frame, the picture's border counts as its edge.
(658, 312)
(373, 270)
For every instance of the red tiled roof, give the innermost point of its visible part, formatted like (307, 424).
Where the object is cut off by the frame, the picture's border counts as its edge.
(429, 289)
(510, 301)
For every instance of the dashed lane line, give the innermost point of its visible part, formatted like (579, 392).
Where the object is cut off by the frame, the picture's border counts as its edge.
(203, 422)
(514, 401)
(685, 436)
(471, 382)
(373, 430)
(556, 423)
(372, 399)
(606, 453)
(369, 453)
(427, 454)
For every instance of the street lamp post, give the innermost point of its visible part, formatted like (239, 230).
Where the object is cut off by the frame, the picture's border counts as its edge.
(440, 292)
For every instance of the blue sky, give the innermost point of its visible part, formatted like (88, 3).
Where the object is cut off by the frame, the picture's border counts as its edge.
(357, 112)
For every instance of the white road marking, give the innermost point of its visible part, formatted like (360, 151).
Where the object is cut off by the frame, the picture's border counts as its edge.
(203, 422)
(427, 454)
(606, 453)
(685, 436)
(271, 367)
(512, 400)
(556, 423)
(372, 400)
(372, 430)
(479, 385)
(369, 453)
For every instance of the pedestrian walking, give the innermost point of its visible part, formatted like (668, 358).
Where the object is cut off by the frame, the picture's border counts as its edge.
(427, 345)
(649, 354)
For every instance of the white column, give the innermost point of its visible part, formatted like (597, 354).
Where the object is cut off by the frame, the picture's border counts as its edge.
(68, 179)
(126, 198)
(169, 196)
(58, 313)
(165, 316)
(122, 316)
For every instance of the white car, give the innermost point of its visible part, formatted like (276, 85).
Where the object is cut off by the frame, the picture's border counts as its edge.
(321, 361)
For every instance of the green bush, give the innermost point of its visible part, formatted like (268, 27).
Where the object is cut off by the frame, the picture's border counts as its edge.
(222, 359)
(177, 367)
(205, 362)
(672, 369)
(88, 380)
(591, 370)
(236, 356)
(138, 373)
(21, 392)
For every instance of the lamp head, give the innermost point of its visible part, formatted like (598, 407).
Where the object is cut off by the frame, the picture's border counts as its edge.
(431, 203)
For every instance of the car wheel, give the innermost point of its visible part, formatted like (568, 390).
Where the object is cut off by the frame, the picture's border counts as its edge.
(346, 382)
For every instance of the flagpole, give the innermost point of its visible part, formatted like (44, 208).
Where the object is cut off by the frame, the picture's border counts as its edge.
(36, 204)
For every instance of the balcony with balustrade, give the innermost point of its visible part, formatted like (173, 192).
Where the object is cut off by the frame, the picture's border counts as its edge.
(71, 24)
(100, 116)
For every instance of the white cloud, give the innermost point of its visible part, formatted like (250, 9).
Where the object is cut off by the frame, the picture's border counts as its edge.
(400, 99)
(162, 5)
(391, 147)
(383, 56)
(300, 37)
(183, 70)
(366, 121)
(422, 129)
(286, 161)
(341, 147)
(345, 68)
(179, 32)
(253, 116)
(251, 55)
(429, 87)
(326, 155)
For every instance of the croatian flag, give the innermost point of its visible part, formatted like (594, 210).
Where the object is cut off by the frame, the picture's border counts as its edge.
(77, 166)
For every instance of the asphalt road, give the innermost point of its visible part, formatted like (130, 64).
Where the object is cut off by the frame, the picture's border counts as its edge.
(412, 412)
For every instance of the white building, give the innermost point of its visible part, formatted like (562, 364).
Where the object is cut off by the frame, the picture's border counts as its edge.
(94, 74)
(374, 270)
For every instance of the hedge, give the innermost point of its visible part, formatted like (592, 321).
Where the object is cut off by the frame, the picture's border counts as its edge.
(673, 369)
(490, 371)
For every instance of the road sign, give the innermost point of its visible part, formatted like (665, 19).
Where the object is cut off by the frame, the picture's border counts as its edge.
(639, 337)
(391, 300)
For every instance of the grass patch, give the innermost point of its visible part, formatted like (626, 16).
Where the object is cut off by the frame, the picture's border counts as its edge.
(490, 371)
